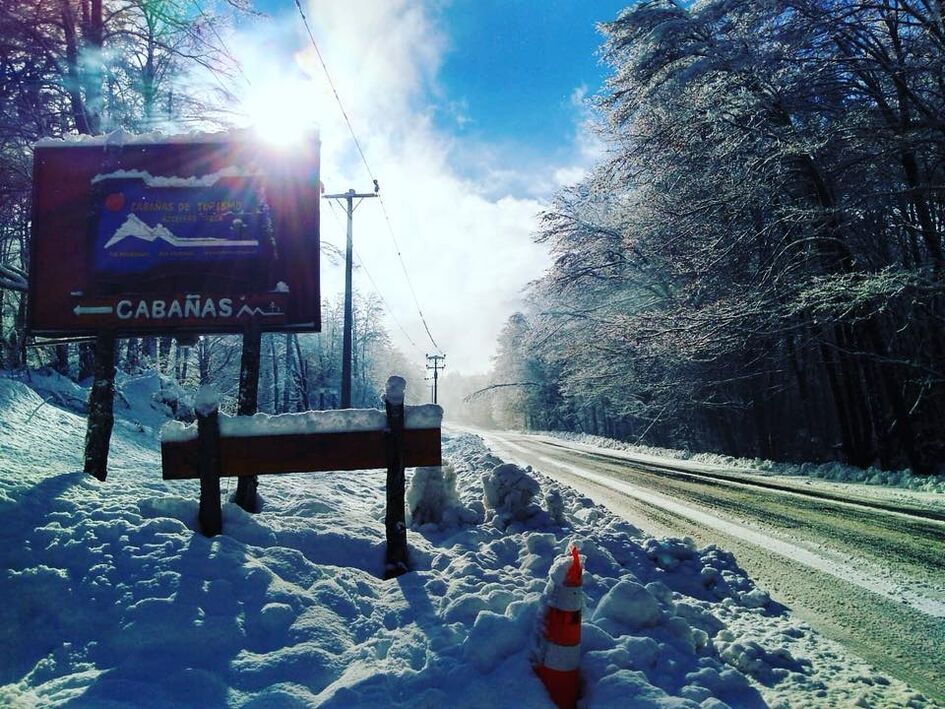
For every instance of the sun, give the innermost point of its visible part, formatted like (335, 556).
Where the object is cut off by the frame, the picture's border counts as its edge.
(282, 111)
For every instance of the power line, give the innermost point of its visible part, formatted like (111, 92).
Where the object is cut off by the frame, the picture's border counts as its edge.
(403, 267)
(331, 83)
(387, 220)
(390, 310)
(384, 301)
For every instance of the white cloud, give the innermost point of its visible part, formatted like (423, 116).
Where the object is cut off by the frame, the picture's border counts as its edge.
(466, 243)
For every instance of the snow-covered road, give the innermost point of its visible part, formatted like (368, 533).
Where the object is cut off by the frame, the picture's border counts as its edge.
(866, 571)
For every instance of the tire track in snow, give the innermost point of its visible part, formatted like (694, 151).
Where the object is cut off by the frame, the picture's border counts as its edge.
(687, 469)
(859, 573)
(892, 635)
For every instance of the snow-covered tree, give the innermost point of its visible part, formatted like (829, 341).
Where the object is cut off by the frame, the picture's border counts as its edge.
(756, 265)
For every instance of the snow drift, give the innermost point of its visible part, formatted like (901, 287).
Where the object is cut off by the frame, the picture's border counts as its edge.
(112, 599)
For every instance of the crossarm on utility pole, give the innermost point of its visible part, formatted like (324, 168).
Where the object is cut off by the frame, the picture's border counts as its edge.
(435, 358)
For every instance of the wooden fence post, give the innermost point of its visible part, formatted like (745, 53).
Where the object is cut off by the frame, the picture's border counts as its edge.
(394, 520)
(208, 464)
(246, 406)
(101, 407)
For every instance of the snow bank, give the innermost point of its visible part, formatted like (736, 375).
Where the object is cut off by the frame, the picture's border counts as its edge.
(177, 402)
(432, 499)
(836, 472)
(141, 400)
(114, 600)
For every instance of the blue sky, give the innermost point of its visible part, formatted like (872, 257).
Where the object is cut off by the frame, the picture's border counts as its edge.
(509, 70)
(514, 64)
(467, 113)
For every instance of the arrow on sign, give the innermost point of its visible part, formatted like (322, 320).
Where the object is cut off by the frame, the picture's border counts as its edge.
(92, 310)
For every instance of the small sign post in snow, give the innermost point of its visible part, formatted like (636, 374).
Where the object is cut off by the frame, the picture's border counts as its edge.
(314, 441)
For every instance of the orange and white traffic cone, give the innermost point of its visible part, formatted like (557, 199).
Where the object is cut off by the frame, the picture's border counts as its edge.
(559, 651)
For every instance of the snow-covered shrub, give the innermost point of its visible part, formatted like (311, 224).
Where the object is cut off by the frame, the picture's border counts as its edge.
(628, 604)
(58, 389)
(508, 491)
(432, 497)
(554, 505)
(172, 396)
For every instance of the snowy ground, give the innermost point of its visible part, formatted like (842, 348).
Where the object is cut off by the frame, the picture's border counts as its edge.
(112, 599)
(835, 472)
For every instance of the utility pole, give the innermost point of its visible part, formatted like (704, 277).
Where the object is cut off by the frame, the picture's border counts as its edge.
(435, 358)
(349, 198)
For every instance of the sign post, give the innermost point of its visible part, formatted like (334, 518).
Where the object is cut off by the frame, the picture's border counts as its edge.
(246, 405)
(395, 523)
(98, 433)
(209, 512)
(314, 441)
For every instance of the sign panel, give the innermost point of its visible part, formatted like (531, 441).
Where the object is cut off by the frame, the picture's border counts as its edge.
(205, 235)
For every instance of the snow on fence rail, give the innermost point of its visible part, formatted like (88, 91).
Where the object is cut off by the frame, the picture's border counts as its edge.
(314, 441)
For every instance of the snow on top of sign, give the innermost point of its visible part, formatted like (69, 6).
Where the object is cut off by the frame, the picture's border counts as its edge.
(166, 181)
(119, 138)
(425, 416)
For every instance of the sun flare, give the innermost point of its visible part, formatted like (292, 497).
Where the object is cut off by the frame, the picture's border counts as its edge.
(282, 111)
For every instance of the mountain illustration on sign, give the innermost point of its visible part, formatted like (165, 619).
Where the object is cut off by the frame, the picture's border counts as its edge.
(135, 228)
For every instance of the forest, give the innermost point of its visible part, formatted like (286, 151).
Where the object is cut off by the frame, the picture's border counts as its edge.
(755, 265)
(93, 66)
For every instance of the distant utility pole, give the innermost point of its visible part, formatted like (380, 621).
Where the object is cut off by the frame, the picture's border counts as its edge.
(435, 358)
(349, 197)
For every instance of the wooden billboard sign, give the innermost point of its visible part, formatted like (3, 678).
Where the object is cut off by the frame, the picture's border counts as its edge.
(313, 441)
(300, 453)
(202, 233)
(172, 235)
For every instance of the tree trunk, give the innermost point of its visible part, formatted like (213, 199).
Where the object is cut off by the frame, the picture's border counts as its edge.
(275, 373)
(246, 405)
(61, 360)
(86, 360)
(183, 360)
(149, 348)
(132, 361)
(303, 375)
(203, 360)
(288, 377)
(164, 354)
(101, 402)
(73, 79)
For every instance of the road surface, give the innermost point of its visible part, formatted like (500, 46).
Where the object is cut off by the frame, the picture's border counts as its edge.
(864, 567)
